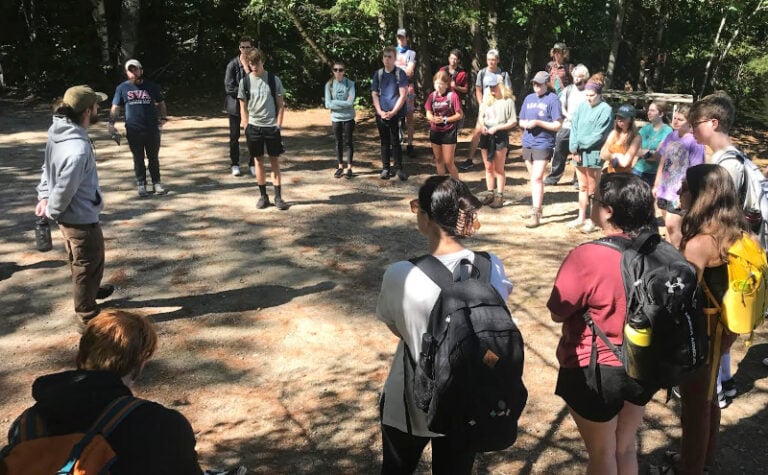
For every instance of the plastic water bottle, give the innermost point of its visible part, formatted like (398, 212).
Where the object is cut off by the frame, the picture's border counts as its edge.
(43, 235)
(640, 363)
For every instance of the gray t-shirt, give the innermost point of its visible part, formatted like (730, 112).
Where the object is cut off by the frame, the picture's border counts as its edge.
(262, 110)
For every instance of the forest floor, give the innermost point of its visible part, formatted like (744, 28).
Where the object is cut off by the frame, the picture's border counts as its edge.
(268, 340)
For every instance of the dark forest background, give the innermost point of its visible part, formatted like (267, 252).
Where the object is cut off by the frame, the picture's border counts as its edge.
(682, 46)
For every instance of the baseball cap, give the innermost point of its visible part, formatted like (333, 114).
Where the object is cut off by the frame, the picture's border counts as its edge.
(133, 62)
(490, 80)
(626, 111)
(542, 77)
(402, 32)
(82, 97)
(560, 46)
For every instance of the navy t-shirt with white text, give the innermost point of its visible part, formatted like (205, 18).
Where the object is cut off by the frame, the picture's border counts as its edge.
(545, 108)
(139, 101)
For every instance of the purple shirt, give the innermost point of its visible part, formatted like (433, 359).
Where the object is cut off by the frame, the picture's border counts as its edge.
(546, 108)
(678, 154)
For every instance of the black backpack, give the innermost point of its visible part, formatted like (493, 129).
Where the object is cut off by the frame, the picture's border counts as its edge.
(662, 298)
(468, 378)
(270, 82)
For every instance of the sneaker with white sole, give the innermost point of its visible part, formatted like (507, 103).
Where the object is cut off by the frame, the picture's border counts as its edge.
(159, 189)
(588, 227)
(729, 388)
(235, 170)
(722, 400)
(575, 223)
(252, 170)
(143, 191)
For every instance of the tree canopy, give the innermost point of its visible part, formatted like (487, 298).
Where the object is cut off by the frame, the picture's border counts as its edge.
(682, 46)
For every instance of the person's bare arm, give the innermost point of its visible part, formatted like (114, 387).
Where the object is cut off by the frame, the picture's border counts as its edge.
(243, 114)
(280, 111)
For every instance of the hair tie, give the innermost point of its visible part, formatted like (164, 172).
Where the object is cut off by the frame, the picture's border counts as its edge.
(594, 86)
(466, 223)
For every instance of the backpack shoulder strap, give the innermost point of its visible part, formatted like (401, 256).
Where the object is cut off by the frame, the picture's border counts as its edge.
(434, 269)
(272, 86)
(247, 87)
(379, 75)
(614, 242)
(484, 265)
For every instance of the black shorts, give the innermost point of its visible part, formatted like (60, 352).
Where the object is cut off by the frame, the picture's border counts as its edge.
(531, 154)
(669, 206)
(494, 143)
(600, 406)
(443, 138)
(257, 137)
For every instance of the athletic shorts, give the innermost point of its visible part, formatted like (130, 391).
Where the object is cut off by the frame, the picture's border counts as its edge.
(493, 143)
(668, 206)
(443, 138)
(410, 102)
(602, 406)
(258, 137)
(533, 154)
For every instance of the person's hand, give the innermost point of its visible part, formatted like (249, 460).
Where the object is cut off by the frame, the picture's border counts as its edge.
(576, 157)
(655, 190)
(484, 130)
(493, 130)
(111, 129)
(453, 84)
(243, 123)
(40, 208)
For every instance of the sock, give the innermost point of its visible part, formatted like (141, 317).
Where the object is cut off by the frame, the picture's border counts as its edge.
(263, 190)
(277, 191)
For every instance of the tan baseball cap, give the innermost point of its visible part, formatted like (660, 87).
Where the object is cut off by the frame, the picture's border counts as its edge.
(82, 97)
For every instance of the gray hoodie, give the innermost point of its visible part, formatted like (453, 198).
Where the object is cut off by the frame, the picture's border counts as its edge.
(69, 181)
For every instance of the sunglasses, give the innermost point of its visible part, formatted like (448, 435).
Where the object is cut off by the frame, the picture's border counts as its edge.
(338, 70)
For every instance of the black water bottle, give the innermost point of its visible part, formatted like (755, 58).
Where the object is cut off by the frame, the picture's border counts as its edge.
(43, 235)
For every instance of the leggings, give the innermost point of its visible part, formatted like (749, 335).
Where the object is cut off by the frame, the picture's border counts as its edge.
(342, 131)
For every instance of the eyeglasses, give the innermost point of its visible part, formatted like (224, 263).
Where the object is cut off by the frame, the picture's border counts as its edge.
(415, 208)
(246, 47)
(338, 70)
(594, 197)
(701, 122)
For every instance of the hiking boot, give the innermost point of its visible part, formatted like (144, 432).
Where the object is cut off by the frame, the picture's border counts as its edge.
(263, 202)
(236, 170)
(280, 204)
(143, 191)
(729, 388)
(402, 175)
(384, 174)
(104, 291)
(348, 175)
(535, 219)
(466, 165)
(337, 174)
(498, 201)
(486, 198)
(159, 189)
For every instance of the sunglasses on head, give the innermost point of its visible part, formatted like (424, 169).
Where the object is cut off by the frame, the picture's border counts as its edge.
(338, 70)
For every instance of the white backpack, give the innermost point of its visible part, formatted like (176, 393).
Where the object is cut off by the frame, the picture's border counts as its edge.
(754, 191)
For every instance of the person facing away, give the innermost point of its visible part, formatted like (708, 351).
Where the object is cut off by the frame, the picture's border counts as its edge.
(389, 90)
(261, 116)
(113, 350)
(69, 194)
(236, 70)
(145, 116)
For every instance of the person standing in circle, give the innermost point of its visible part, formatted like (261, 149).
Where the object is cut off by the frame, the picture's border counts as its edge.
(443, 114)
(340, 99)
(558, 68)
(623, 143)
(237, 69)
(651, 135)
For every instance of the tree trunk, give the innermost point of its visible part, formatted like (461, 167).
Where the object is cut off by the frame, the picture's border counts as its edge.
(529, 42)
(477, 62)
(493, 29)
(661, 53)
(129, 29)
(735, 35)
(708, 67)
(297, 23)
(618, 25)
(100, 19)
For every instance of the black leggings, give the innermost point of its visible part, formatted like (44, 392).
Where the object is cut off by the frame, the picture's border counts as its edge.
(389, 133)
(402, 453)
(343, 133)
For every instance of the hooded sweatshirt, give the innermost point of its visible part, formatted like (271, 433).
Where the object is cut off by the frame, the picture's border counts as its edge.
(151, 440)
(69, 181)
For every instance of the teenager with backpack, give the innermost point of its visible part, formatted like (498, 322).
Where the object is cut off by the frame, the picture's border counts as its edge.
(237, 69)
(149, 439)
(340, 99)
(446, 212)
(444, 113)
(389, 91)
(713, 221)
(607, 414)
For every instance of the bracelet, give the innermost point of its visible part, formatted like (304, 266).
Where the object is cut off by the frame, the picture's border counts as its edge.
(445, 120)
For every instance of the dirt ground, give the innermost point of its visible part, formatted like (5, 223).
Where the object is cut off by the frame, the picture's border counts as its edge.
(268, 340)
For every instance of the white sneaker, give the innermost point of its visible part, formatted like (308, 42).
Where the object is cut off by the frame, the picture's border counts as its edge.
(765, 361)
(235, 170)
(143, 191)
(159, 189)
(253, 171)
(588, 227)
(575, 223)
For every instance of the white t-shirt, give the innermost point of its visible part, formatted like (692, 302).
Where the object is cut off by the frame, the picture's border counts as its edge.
(575, 98)
(408, 312)
(730, 162)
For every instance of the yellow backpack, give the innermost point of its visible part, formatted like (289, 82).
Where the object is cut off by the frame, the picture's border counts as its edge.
(745, 302)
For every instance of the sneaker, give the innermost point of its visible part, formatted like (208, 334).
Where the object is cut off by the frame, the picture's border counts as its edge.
(263, 202)
(348, 175)
(337, 174)
(159, 189)
(722, 400)
(104, 291)
(384, 174)
(466, 165)
(402, 175)
(252, 169)
(143, 191)
(676, 392)
(729, 388)
(588, 227)
(535, 218)
(280, 204)
(551, 181)
(486, 197)
(575, 223)
(235, 170)
(409, 150)
(765, 361)
(498, 201)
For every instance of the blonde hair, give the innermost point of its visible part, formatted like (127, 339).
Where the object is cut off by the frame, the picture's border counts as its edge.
(506, 93)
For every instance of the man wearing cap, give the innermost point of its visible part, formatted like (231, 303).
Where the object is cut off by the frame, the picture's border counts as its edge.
(237, 69)
(406, 60)
(559, 69)
(145, 116)
(69, 194)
